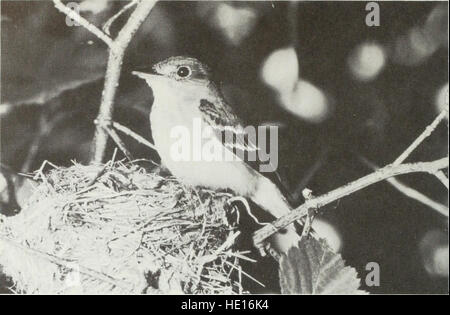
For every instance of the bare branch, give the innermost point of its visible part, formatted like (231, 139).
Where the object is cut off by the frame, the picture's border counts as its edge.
(112, 133)
(83, 22)
(106, 27)
(441, 176)
(114, 66)
(417, 195)
(425, 134)
(318, 202)
(411, 192)
(133, 135)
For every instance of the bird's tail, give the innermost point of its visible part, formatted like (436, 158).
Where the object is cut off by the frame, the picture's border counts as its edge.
(268, 196)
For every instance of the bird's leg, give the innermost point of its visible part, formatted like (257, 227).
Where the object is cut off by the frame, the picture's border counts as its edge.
(241, 199)
(265, 247)
(247, 207)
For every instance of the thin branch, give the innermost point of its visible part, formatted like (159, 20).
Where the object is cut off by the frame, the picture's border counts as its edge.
(411, 192)
(114, 66)
(106, 27)
(417, 195)
(112, 133)
(133, 135)
(83, 22)
(318, 202)
(441, 176)
(425, 134)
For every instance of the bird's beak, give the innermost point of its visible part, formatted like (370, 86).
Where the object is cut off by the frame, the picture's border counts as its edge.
(146, 76)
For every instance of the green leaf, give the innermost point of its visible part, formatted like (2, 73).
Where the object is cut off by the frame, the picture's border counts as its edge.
(313, 268)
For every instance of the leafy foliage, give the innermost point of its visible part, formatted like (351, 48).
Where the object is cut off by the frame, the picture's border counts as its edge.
(313, 268)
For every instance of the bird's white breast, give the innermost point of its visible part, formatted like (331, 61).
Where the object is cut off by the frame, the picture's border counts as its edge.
(176, 106)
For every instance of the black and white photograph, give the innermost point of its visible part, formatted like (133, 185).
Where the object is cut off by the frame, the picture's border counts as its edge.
(224, 152)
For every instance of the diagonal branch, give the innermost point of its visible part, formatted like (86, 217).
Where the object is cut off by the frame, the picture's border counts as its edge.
(411, 192)
(425, 134)
(83, 22)
(117, 49)
(441, 176)
(318, 202)
(114, 66)
(134, 135)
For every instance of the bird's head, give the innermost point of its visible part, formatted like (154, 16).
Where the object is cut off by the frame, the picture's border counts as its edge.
(176, 71)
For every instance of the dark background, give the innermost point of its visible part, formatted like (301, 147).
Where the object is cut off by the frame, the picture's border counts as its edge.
(52, 78)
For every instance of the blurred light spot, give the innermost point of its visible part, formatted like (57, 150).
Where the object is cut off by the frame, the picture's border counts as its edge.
(436, 24)
(422, 41)
(306, 101)
(434, 250)
(328, 232)
(3, 183)
(441, 99)
(236, 23)
(5, 109)
(280, 70)
(93, 6)
(367, 61)
(441, 260)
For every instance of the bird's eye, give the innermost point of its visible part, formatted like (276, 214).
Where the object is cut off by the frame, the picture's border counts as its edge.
(183, 72)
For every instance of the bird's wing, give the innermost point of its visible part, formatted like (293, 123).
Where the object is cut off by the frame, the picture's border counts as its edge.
(221, 117)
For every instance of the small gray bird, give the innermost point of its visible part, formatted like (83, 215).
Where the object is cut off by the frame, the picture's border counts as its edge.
(184, 92)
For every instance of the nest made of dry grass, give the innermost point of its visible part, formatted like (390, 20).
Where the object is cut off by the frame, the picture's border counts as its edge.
(129, 231)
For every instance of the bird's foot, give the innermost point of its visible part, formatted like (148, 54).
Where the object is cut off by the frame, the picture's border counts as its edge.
(247, 208)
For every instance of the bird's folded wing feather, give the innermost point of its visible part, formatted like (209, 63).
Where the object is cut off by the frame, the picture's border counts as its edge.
(222, 119)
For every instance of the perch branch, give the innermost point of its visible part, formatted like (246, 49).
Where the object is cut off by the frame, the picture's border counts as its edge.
(83, 22)
(375, 177)
(114, 66)
(425, 134)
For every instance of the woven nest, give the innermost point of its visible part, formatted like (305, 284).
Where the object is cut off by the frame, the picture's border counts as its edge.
(129, 231)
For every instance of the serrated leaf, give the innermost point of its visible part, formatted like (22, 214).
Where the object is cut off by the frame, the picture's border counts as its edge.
(313, 268)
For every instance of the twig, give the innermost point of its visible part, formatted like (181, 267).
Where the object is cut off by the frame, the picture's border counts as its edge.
(112, 133)
(113, 73)
(417, 195)
(411, 192)
(425, 134)
(116, 52)
(309, 174)
(318, 202)
(441, 176)
(83, 22)
(133, 135)
(106, 27)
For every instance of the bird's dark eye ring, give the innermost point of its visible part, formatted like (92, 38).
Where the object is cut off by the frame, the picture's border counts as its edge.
(183, 72)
